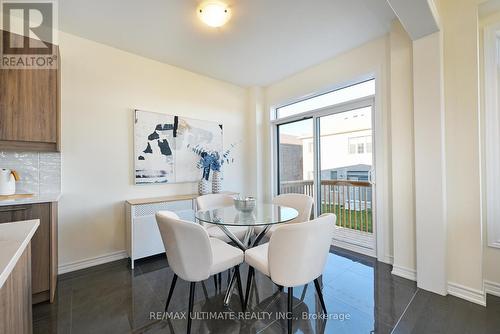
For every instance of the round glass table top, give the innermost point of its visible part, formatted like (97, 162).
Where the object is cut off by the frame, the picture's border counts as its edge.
(262, 214)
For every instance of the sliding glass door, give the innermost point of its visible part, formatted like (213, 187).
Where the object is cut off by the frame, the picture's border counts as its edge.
(328, 153)
(346, 161)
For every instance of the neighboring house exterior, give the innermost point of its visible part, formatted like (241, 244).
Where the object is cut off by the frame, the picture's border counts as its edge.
(345, 148)
(354, 173)
(290, 152)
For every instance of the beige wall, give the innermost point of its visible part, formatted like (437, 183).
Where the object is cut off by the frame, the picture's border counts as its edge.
(100, 88)
(403, 193)
(459, 21)
(354, 65)
(430, 164)
(256, 129)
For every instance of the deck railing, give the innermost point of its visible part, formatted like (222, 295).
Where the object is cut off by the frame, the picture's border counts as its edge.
(349, 200)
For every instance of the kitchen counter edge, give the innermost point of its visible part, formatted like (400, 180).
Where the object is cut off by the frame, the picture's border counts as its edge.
(49, 198)
(17, 234)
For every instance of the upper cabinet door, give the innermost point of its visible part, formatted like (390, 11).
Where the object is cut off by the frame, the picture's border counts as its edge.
(29, 109)
(28, 105)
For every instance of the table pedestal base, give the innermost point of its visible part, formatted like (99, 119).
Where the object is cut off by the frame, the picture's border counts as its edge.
(246, 244)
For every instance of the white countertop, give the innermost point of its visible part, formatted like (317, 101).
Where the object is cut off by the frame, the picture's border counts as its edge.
(46, 198)
(14, 238)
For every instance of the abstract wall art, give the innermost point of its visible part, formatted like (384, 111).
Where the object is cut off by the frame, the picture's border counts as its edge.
(163, 146)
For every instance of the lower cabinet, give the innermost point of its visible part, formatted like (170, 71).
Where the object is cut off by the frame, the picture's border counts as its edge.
(143, 235)
(43, 245)
(15, 297)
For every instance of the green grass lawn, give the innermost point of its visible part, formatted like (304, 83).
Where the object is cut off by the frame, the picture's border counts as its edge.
(358, 219)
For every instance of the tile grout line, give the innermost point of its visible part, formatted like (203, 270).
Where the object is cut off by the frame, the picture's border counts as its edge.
(404, 312)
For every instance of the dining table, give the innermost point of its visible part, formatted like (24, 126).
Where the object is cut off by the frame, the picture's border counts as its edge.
(258, 221)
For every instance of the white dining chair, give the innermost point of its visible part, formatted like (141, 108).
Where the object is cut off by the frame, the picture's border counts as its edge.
(300, 202)
(194, 256)
(295, 255)
(215, 201)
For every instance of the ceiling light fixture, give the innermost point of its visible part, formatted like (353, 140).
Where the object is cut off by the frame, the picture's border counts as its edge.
(213, 13)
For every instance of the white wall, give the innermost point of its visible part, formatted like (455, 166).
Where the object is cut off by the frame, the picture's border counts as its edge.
(461, 91)
(255, 163)
(403, 192)
(491, 255)
(100, 88)
(430, 164)
(349, 67)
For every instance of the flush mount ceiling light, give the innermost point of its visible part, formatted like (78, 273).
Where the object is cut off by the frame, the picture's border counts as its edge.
(213, 13)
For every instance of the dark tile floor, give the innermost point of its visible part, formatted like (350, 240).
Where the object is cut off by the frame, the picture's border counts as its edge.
(360, 293)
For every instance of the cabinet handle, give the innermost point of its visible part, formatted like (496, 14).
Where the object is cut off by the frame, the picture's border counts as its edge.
(15, 209)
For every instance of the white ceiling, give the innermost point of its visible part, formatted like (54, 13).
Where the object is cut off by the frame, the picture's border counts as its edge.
(265, 40)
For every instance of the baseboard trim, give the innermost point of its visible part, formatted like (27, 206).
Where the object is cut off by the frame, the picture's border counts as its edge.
(472, 295)
(354, 248)
(407, 273)
(90, 262)
(388, 259)
(492, 288)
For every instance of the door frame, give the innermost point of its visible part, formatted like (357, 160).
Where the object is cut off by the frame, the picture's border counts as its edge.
(316, 114)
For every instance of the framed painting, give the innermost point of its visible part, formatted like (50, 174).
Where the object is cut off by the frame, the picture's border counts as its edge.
(163, 146)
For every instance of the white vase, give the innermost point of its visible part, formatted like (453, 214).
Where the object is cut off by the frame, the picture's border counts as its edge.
(216, 182)
(203, 187)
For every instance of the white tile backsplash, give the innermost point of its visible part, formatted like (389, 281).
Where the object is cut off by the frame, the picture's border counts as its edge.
(50, 173)
(40, 172)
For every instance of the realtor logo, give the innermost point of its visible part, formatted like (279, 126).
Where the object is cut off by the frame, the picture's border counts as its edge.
(28, 34)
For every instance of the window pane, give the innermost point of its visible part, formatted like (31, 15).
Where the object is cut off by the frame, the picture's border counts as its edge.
(352, 148)
(296, 157)
(369, 146)
(357, 91)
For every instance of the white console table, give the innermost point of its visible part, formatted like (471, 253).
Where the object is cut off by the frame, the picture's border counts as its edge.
(143, 235)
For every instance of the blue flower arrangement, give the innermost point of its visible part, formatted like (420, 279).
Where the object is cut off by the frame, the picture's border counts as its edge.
(212, 160)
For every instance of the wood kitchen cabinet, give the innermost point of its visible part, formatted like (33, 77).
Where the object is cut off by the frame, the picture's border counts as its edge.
(15, 297)
(30, 108)
(43, 245)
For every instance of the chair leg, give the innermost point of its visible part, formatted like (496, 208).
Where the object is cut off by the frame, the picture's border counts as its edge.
(215, 283)
(280, 288)
(304, 293)
(220, 280)
(171, 291)
(191, 302)
(249, 284)
(257, 298)
(290, 309)
(320, 295)
(205, 292)
(240, 290)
